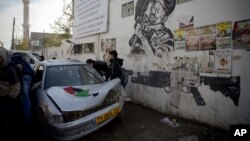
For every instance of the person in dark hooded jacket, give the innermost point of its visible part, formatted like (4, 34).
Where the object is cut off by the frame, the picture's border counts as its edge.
(115, 65)
(101, 67)
(25, 74)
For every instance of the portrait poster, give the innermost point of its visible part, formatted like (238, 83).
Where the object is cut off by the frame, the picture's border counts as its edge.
(124, 10)
(108, 44)
(223, 63)
(88, 48)
(192, 39)
(128, 9)
(241, 34)
(207, 62)
(179, 39)
(208, 37)
(224, 35)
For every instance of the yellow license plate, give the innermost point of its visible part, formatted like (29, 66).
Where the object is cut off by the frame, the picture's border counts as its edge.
(107, 115)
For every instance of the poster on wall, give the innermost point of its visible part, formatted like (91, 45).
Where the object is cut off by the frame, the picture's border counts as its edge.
(207, 62)
(179, 39)
(223, 61)
(108, 44)
(186, 63)
(192, 39)
(88, 48)
(124, 10)
(90, 17)
(185, 21)
(241, 34)
(208, 37)
(128, 9)
(223, 35)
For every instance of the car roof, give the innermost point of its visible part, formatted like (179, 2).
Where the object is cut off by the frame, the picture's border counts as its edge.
(30, 54)
(59, 62)
(21, 51)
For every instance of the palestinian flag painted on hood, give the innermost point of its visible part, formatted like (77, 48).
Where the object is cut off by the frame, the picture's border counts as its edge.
(76, 91)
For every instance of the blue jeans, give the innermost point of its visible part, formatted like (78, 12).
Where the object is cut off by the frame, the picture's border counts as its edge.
(25, 98)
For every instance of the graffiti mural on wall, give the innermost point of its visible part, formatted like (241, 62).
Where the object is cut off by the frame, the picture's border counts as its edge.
(177, 82)
(151, 35)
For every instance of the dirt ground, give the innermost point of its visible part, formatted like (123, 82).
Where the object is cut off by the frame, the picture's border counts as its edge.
(144, 124)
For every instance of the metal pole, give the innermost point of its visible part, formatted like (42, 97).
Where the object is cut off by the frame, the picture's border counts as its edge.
(12, 41)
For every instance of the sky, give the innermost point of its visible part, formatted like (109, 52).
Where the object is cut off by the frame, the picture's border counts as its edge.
(42, 14)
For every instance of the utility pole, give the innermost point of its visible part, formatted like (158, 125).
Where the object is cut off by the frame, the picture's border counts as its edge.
(12, 41)
(43, 48)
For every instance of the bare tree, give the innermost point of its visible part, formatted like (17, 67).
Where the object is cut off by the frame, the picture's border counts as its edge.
(64, 24)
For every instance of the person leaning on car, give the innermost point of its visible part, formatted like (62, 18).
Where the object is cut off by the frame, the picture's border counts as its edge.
(9, 91)
(115, 66)
(101, 67)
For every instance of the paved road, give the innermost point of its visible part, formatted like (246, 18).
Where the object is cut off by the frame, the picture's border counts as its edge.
(144, 124)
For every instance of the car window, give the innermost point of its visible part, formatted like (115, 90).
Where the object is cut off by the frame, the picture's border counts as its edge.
(23, 55)
(71, 75)
(29, 60)
(36, 55)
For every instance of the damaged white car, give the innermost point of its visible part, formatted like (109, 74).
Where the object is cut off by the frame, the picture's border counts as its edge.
(72, 100)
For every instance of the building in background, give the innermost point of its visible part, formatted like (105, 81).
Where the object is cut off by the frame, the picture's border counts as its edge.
(40, 41)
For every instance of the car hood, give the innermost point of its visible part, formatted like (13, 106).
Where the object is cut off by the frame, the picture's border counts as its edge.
(96, 95)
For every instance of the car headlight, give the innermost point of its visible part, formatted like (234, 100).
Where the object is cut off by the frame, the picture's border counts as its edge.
(112, 97)
(55, 119)
(52, 118)
(71, 116)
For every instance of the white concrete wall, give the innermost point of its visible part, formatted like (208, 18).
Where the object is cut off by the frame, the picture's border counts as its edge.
(65, 52)
(219, 110)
